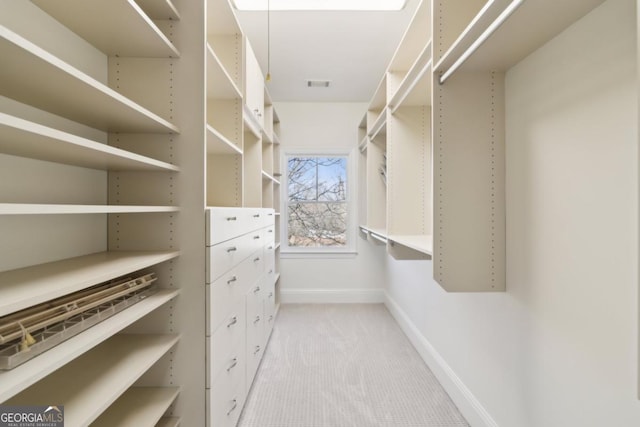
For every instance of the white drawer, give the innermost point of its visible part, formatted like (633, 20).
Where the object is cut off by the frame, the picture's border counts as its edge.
(230, 289)
(269, 217)
(255, 351)
(226, 255)
(226, 397)
(229, 335)
(225, 223)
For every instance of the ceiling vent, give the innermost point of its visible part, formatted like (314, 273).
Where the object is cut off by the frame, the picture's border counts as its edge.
(318, 83)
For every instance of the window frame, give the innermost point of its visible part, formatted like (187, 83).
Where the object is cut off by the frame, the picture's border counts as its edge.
(351, 201)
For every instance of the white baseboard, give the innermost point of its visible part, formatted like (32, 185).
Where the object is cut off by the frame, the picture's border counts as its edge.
(466, 402)
(331, 296)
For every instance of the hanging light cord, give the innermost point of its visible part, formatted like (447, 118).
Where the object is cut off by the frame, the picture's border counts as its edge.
(268, 41)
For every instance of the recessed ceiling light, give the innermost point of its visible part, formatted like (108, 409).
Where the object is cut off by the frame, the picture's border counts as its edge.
(346, 5)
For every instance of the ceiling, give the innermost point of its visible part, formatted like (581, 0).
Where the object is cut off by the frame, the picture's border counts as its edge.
(351, 49)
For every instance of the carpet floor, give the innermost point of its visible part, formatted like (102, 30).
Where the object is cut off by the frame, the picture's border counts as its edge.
(344, 365)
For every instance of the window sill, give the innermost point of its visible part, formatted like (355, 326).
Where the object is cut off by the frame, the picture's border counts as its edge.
(318, 255)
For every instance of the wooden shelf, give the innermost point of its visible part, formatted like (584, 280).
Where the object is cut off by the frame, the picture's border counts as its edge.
(250, 122)
(116, 27)
(220, 85)
(414, 39)
(217, 143)
(159, 9)
(23, 138)
(220, 18)
(530, 25)
(29, 286)
(379, 127)
(420, 243)
(93, 381)
(362, 145)
(267, 177)
(168, 422)
(39, 209)
(33, 76)
(23, 376)
(138, 406)
(415, 88)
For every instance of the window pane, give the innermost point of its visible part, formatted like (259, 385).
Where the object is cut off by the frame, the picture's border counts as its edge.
(317, 224)
(317, 178)
(332, 179)
(302, 179)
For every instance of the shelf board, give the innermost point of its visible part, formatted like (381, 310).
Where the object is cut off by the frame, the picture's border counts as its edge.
(415, 37)
(29, 286)
(159, 9)
(530, 26)
(220, 85)
(138, 406)
(217, 143)
(415, 88)
(93, 381)
(421, 243)
(220, 18)
(266, 137)
(168, 422)
(116, 27)
(23, 138)
(276, 138)
(277, 244)
(379, 99)
(43, 209)
(267, 177)
(362, 146)
(379, 127)
(23, 376)
(277, 277)
(33, 76)
(250, 122)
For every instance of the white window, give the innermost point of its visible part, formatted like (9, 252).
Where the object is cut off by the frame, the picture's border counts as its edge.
(317, 203)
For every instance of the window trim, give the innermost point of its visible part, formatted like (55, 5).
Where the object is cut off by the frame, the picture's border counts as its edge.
(302, 252)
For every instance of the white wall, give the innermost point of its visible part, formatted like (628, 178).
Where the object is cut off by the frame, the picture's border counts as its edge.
(559, 347)
(359, 278)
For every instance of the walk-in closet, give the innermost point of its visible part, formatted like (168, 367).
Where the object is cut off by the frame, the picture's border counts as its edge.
(319, 213)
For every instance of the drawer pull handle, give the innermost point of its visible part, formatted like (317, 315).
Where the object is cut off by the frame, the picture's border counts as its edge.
(270, 294)
(270, 231)
(232, 249)
(233, 279)
(232, 218)
(256, 216)
(234, 362)
(271, 271)
(270, 247)
(256, 259)
(270, 214)
(233, 407)
(270, 318)
(257, 350)
(256, 237)
(232, 322)
(256, 290)
(256, 320)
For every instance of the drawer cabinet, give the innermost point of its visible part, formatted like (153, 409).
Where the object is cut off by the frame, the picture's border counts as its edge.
(240, 277)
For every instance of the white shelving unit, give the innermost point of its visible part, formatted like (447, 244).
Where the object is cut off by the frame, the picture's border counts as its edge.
(24, 138)
(395, 142)
(477, 43)
(168, 422)
(106, 185)
(137, 35)
(27, 374)
(138, 406)
(107, 372)
(76, 96)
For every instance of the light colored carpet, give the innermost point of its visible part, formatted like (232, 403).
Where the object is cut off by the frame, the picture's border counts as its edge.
(344, 366)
